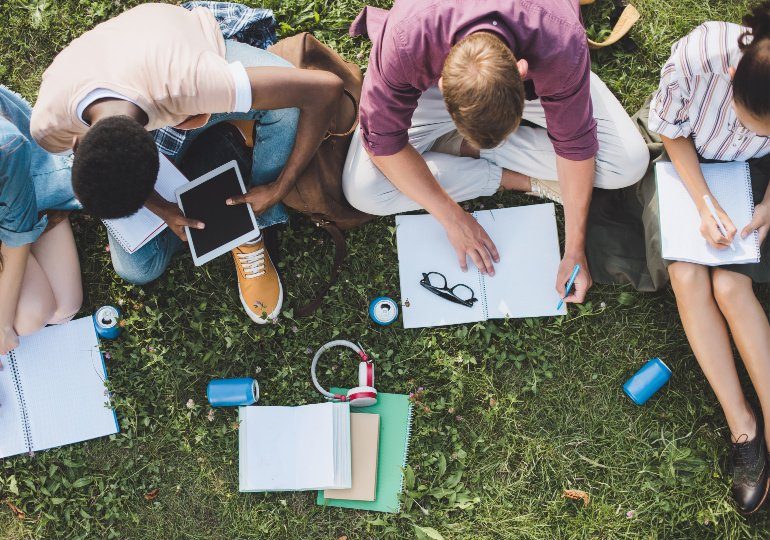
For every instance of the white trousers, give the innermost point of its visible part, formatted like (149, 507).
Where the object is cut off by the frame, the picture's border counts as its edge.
(622, 159)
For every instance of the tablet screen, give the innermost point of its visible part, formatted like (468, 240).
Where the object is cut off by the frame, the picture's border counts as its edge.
(206, 202)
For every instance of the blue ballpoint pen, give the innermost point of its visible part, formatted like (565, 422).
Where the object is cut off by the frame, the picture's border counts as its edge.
(570, 283)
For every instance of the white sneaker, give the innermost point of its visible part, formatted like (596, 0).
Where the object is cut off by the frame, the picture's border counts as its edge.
(546, 189)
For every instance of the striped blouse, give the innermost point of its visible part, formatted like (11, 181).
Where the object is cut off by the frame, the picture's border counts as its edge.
(695, 96)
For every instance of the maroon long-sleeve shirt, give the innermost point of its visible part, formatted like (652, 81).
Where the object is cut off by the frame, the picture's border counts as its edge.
(411, 42)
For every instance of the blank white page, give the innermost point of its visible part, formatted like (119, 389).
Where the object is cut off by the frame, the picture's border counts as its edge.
(134, 231)
(286, 448)
(11, 427)
(266, 448)
(524, 284)
(314, 446)
(424, 247)
(63, 378)
(680, 222)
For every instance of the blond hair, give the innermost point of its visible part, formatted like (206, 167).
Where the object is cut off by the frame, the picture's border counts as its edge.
(483, 89)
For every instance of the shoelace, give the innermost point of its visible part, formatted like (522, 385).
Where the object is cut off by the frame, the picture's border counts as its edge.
(743, 454)
(253, 263)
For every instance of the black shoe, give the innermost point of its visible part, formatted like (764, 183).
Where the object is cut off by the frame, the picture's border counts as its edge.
(748, 466)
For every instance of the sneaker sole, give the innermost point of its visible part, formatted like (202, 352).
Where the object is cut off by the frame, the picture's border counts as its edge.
(271, 316)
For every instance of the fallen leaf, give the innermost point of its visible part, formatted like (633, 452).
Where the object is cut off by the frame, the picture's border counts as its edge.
(151, 495)
(16, 510)
(343, 537)
(577, 494)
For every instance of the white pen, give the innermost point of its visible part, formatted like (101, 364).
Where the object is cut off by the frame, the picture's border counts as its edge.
(714, 214)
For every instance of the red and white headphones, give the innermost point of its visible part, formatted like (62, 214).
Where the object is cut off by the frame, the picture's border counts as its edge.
(362, 395)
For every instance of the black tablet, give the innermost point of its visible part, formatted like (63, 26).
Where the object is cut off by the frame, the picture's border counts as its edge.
(227, 227)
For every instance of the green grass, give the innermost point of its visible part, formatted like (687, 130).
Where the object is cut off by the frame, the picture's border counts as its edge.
(511, 413)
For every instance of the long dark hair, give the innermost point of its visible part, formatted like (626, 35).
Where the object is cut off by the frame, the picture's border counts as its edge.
(751, 84)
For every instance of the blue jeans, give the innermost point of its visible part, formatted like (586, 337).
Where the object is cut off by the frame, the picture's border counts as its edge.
(31, 179)
(273, 144)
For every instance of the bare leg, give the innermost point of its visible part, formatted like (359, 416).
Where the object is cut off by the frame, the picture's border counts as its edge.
(750, 329)
(37, 303)
(707, 333)
(57, 255)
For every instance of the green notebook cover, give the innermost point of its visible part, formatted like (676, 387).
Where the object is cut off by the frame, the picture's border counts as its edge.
(395, 412)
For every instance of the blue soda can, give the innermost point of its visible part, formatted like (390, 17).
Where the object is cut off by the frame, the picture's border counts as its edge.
(383, 311)
(232, 392)
(648, 380)
(107, 322)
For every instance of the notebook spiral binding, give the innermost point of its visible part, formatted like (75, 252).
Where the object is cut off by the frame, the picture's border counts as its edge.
(116, 234)
(22, 403)
(751, 196)
(406, 452)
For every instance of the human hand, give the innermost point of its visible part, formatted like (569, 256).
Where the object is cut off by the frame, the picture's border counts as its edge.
(259, 197)
(710, 230)
(176, 220)
(583, 281)
(760, 222)
(471, 240)
(8, 339)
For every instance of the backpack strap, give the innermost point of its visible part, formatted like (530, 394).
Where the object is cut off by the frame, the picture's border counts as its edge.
(340, 252)
(628, 18)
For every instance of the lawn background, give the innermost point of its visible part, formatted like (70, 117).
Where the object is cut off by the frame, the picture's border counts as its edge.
(509, 415)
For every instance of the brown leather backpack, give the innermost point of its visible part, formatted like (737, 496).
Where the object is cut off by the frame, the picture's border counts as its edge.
(317, 193)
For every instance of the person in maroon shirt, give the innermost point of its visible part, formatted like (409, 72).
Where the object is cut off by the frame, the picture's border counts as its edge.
(450, 81)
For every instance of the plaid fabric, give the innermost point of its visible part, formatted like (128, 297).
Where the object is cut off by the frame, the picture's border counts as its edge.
(253, 26)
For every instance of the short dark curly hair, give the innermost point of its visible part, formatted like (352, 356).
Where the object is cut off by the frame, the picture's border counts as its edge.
(115, 168)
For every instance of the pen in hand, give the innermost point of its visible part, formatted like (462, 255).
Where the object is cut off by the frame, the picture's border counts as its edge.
(720, 225)
(570, 283)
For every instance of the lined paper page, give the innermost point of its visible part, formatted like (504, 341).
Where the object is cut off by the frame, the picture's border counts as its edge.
(524, 284)
(11, 427)
(424, 247)
(134, 231)
(63, 377)
(680, 222)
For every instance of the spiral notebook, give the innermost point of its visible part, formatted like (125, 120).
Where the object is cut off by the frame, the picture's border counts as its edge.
(395, 411)
(524, 281)
(681, 239)
(136, 230)
(52, 390)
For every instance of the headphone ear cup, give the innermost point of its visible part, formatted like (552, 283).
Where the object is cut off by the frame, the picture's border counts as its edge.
(366, 374)
(362, 396)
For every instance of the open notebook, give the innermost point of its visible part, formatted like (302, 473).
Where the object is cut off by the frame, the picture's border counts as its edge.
(294, 448)
(524, 281)
(136, 230)
(680, 222)
(52, 390)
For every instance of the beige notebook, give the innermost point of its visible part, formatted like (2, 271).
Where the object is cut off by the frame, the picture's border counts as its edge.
(364, 443)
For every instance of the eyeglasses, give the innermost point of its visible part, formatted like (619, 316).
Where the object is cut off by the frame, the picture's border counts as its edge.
(436, 283)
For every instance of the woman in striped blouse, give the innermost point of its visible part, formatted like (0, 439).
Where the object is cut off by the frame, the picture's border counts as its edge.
(713, 103)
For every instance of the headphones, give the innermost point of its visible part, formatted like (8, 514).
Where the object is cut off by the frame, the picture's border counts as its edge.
(362, 395)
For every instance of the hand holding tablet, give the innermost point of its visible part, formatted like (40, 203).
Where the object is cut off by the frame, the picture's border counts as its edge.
(226, 226)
